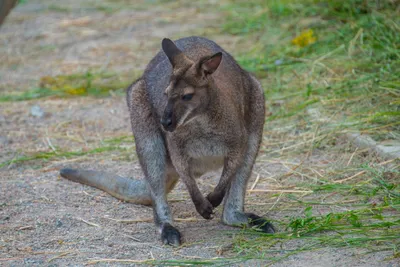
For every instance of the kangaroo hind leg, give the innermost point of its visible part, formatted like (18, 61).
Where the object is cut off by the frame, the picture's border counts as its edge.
(151, 150)
(233, 213)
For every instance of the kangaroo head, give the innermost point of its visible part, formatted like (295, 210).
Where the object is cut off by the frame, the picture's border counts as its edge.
(188, 92)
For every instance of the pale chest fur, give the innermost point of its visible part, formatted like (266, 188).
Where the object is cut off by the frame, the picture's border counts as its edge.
(206, 154)
(207, 146)
(206, 151)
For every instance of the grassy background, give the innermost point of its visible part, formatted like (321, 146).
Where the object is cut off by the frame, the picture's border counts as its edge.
(349, 65)
(342, 56)
(328, 68)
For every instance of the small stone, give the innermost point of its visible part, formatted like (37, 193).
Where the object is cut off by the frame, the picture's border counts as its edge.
(59, 223)
(37, 111)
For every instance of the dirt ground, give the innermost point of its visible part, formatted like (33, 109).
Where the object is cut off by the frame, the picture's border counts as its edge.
(49, 221)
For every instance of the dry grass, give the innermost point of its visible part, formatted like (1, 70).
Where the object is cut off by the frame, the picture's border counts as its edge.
(317, 188)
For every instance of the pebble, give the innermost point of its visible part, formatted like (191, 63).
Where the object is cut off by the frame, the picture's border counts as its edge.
(37, 111)
(59, 223)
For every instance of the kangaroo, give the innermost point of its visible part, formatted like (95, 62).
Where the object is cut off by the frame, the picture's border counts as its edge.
(194, 110)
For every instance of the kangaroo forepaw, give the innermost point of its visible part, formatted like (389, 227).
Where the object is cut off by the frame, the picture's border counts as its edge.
(205, 209)
(215, 198)
(170, 235)
(261, 223)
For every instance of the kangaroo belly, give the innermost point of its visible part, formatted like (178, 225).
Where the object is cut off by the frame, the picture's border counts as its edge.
(206, 153)
(203, 165)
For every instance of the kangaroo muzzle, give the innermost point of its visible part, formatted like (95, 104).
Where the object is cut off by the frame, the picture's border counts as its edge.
(168, 124)
(168, 120)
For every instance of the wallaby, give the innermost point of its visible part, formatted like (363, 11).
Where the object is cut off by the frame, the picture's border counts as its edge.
(194, 110)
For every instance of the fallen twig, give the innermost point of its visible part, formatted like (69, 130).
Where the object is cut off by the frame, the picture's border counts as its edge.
(276, 202)
(255, 182)
(11, 259)
(117, 260)
(362, 172)
(279, 191)
(60, 256)
(133, 238)
(89, 223)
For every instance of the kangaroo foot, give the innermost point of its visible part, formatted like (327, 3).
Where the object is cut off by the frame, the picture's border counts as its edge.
(170, 235)
(238, 218)
(261, 223)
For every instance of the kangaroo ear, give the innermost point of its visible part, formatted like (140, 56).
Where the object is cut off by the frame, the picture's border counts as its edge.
(171, 50)
(209, 65)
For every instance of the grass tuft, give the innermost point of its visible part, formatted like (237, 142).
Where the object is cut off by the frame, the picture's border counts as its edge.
(95, 84)
(343, 55)
(113, 144)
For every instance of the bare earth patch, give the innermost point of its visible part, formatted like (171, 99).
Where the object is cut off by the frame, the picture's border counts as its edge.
(49, 221)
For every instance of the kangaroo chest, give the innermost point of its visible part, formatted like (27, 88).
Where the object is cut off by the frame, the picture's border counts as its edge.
(198, 147)
(206, 152)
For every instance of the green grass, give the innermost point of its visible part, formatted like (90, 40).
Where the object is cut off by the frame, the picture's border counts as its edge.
(113, 144)
(97, 84)
(352, 67)
(374, 227)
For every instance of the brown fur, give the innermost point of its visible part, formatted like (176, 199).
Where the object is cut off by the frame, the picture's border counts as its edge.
(195, 110)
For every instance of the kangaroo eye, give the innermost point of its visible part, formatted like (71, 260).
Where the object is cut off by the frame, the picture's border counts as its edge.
(187, 97)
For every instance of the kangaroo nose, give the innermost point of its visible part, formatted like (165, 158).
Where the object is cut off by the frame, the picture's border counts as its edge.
(166, 122)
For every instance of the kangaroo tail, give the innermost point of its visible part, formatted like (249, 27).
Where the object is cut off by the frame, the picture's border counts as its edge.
(5, 8)
(126, 189)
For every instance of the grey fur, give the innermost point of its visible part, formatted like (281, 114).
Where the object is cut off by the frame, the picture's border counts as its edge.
(193, 110)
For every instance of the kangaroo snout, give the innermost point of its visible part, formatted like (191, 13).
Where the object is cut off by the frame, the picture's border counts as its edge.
(168, 122)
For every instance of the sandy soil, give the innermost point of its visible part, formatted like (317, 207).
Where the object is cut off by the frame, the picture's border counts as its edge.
(48, 221)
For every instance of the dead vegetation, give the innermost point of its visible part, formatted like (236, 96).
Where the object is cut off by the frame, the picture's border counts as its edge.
(332, 201)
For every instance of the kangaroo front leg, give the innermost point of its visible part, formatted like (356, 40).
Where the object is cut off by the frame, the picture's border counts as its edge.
(183, 167)
(203, 206)
(231, 164)
(233, 213)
